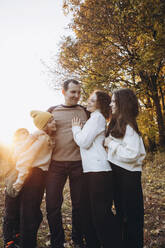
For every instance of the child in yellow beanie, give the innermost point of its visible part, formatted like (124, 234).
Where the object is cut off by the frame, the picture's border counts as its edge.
(38, 148)
(32, 165)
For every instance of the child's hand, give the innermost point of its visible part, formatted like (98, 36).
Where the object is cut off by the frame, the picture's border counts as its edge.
(76, 122)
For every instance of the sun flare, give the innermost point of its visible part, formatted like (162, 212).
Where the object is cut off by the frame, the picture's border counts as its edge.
(6, 139)
(24, 43)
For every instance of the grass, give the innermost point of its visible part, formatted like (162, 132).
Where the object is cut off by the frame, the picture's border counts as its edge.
(154, 202)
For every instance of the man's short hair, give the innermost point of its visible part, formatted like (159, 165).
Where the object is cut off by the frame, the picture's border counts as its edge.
(67, 82)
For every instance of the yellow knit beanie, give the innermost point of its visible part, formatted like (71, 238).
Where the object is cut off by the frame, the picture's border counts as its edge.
(40, 118)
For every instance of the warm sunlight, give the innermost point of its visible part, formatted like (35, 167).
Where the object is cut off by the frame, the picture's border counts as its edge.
(30, 31)
(6, 140)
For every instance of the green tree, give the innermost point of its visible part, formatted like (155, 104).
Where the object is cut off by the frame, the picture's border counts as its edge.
(119, 43)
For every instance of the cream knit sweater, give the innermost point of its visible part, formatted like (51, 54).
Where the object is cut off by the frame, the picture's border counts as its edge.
(37, 152)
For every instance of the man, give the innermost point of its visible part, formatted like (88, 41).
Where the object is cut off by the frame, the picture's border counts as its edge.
(66, 162)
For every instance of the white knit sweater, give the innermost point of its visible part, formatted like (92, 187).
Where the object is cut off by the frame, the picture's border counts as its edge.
(127, 152)
(90, 139)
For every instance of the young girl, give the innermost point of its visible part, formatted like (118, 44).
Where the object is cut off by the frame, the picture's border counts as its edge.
(126, 153)
(32, 164)
(37, 148)
(97, 191)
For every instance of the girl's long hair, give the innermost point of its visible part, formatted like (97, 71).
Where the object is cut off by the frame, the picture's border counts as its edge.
(126, 113)
(103, 102)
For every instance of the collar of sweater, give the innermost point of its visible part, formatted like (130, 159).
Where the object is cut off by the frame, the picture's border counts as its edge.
(66, 106)
(96, 111)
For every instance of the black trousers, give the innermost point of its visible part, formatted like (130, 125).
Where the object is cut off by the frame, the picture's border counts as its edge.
(30, 213)
(98, 222)
(11, 220)
(56, 179)
(128, 200)
(23, 214)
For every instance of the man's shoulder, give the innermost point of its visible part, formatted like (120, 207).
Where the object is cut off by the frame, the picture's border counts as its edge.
(84, 108)
(63, 107)
(80, 106)
(50, 110)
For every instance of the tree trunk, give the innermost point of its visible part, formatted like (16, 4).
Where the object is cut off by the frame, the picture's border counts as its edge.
(151, 144)
(151, 81)
(161, 126)
(162, 97)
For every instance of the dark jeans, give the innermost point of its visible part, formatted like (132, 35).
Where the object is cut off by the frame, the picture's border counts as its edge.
(56, 179)
(99, 223)
(30, 213)
(129, 206)
(11, 219)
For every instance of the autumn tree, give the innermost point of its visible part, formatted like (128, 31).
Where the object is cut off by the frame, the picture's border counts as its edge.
(119, 43)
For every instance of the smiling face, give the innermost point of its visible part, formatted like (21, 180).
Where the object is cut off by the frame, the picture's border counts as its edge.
(113, 105)
(92, 103)
(72, 94)
(51, 125)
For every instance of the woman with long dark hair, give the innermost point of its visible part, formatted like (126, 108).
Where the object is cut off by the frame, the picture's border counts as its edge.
(126, 153)
(97, 189)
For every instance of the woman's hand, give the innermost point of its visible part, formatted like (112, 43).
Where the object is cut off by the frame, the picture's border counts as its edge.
(106, 141)
(76, 122)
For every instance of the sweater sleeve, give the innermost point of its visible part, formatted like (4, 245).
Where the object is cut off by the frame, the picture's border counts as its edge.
(26, 159)
(84, 137)
(128, 149)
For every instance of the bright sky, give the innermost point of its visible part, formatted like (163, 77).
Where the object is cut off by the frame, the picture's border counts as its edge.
(30, 30)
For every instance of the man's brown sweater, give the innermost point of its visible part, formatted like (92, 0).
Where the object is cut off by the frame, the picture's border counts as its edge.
(65, 147)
